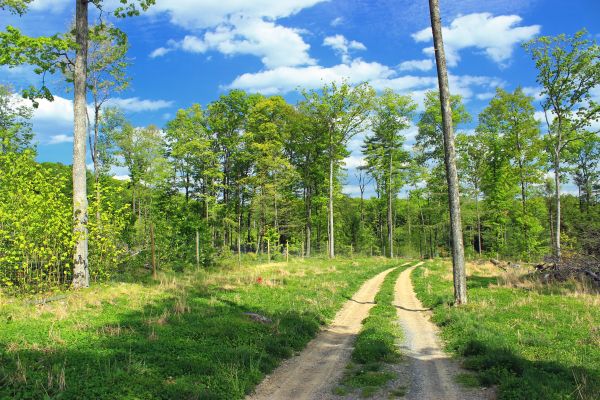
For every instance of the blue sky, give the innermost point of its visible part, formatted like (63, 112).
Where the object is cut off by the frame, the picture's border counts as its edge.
(191, 51)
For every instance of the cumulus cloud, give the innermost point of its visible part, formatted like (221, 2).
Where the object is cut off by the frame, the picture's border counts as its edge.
(238, 27)
(57, 139)
(342, 46)
(413, 65)
(287, 79)
(203, 14)
(135, 104)
(495, 36)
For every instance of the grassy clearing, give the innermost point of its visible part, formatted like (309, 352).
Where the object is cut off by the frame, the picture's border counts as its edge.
(184, 337)
(376, 345)
(533, 341)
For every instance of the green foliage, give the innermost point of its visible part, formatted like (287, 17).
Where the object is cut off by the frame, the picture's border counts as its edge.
(36, 239)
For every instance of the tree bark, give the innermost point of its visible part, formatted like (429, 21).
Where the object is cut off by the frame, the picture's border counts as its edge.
(478, 224)
(330, 242)
(308, 221)
(557, 194)
(458, 255)
(81, 274)
(390, 221)
(153, 250)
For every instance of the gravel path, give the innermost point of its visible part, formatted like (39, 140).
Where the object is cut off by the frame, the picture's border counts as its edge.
(431, 372)
(313, 373)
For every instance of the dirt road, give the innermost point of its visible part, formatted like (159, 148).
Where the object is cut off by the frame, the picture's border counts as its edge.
(312, 374)
(431, 372)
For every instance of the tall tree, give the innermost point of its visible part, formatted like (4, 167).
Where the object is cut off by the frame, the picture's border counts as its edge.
(458, 256)
(568, 69)
(342, 110)
(385, 155)
(48, 55)
(512, 137)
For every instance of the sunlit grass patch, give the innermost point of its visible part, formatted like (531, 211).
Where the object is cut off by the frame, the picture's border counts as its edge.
(533, 341)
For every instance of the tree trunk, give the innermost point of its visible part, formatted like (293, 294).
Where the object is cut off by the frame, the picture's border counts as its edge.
(390, 220)
(308, 221)
(478, 224)
(81, 274)
(557, 194)
(331, 243)
(197, 250)
(153, 250)
(458, 252)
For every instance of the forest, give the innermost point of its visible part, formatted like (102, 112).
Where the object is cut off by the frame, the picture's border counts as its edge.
(247, 193)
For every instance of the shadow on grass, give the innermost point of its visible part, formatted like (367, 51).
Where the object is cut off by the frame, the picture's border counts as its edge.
(474, 281)
(519, 378)
(204, 349)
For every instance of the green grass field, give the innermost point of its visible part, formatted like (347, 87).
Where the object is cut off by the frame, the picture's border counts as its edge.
(532, 341)
(184, 337)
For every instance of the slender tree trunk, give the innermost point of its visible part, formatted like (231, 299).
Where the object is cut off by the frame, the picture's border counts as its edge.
(458, 252)
(331, 243)
(390, 220)
(308, 221)
(197, 250)
(94, 152)
(478, 224)
(557, 194)
(81, 274)
(153, 250)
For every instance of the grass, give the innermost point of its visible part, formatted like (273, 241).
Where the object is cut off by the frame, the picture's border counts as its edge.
(376, 345)
(183, 337)
(532, 341)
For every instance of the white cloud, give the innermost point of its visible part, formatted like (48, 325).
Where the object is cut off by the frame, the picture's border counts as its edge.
(412, 65)
(53, 6)
(238, 27)
(495, 36)
(354, 161)
(57, 139)
(485, 95)
(342, 46)
(337, 21)
(159, 52)
(135, 104)
(287, 79)
(203, 14)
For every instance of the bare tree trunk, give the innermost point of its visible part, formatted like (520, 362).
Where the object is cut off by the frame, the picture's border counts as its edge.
(478, 224)
(390, 221)
(331, 243)
(458, 251)
(308, 221)
(81, 273)
(557, 188)
(197, 250)
(153, 250)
